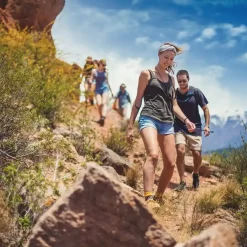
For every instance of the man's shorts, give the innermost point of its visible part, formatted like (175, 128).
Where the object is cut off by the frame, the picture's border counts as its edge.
(162, 128)
(193, 142)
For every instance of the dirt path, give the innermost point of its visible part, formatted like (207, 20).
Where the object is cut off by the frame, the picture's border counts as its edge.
(177, 211)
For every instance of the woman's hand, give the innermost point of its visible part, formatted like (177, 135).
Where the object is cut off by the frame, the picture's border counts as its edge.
(190, 126)
(130, 134)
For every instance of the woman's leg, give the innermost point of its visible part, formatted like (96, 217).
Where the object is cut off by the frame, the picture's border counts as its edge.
(124, 113)
(168, 150)
(86, 89)
(99, 103)
(105, 97)
(149, 137)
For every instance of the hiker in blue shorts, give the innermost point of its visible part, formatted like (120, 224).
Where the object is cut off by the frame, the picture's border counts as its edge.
(124, 100)
(156, 120)
(100, 86)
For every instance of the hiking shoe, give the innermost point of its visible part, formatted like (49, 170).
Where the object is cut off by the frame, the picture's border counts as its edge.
(102, 121)
(159, 200)
(196, 181)
(152, 204)
(91, 102)
(181, 186)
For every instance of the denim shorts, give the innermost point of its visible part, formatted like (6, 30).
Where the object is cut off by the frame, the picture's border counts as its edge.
(102, 90)
(162, 128)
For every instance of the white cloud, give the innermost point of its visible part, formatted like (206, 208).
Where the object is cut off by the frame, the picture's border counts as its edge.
(234, 31)
(183, 34)
(207, 33)
(212, 45)
(142, 40)
(230, 43)
(76, 44)
(183, 2)
(243, 58)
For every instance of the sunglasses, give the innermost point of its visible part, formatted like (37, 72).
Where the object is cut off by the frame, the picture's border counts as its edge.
(184, 81)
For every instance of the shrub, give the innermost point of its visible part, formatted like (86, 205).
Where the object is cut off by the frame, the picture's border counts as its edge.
(236, 161)
(28, 63)
(116, 141)
(34, 85)
(85, 141)
(133, 175)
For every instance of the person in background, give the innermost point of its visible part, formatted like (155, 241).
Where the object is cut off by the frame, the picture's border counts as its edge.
(189, 98)
(100, 85)
(96, 64)
(157, 87)
(86, 73)
(123, 99)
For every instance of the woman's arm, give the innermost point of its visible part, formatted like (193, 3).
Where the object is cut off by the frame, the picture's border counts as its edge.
(143, 81)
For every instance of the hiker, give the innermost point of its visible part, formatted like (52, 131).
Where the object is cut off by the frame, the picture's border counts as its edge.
(86, 72)
(156, 86)
(189, 98)
(123, 99)
(96, 64)
(100, 85)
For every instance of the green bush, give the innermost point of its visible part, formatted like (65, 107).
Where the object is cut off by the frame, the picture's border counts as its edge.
(34, 88)
(116, 141)
(30, 68)
(236, 162)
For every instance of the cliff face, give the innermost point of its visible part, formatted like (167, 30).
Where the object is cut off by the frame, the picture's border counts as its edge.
(35, 15)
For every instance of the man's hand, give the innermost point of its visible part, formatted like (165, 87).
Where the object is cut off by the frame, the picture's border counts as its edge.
(206, 131)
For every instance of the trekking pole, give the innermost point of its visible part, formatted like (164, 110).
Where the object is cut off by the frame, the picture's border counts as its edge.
(211, 131)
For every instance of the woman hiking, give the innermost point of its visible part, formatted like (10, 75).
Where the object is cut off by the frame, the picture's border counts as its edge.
(99, 79)
(157, 87)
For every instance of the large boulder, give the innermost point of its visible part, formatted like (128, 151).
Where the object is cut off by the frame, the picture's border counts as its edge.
(110, 158)
(206, 169)
(219, 235)
(35, 15)
(99, 211)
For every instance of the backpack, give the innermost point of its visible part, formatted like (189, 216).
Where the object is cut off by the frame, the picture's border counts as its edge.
(195, 93)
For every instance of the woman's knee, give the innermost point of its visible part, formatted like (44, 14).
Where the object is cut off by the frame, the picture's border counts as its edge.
(153, 157)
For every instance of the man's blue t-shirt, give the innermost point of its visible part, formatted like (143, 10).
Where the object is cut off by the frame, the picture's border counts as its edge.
(124, 98)
(189, 103)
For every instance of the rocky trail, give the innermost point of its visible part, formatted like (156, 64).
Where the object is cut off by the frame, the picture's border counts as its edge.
(178, 211)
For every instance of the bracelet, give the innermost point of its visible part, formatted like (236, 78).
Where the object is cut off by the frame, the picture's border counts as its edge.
(185, 119)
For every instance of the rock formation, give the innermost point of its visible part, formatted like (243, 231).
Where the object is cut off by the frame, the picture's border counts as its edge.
(99, 211)
(35, 15)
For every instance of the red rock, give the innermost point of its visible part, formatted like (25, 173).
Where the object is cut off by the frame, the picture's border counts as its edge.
(32, 14)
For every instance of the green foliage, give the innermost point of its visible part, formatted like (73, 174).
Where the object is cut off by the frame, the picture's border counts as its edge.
(116, 141)
(34, 88)
(84, 142)
(30, 74)
(236, 162)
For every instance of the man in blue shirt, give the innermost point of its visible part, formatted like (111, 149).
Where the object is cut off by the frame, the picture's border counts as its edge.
(189, 98)
(123, 98)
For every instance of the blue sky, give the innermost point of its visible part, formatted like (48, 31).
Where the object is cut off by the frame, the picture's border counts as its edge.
(128, 33)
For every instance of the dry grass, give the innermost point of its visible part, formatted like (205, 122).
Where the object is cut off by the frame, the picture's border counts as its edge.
(5, 219)
(184, 213)
(133, 175)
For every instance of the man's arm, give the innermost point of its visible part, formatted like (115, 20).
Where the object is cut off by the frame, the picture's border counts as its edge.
(207, 120)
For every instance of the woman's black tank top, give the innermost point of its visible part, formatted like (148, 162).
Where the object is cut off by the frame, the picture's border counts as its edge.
(158, 97)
